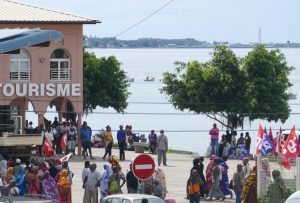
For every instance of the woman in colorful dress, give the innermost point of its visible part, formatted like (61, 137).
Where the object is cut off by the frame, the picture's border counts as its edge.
(104, 180)
(209, 173)
(33, 181)
(249, 192)
(64, 187)
(225, 181)
(9, 175)
(20, 180)
(50, 187)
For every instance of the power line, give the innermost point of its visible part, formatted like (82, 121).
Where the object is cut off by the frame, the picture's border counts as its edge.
(150, 102)
(144, 19)
(151, 113)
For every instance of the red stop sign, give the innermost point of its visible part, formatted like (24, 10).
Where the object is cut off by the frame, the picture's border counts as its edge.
(143, 166)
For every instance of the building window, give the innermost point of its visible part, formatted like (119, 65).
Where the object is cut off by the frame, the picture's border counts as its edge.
(20, 66)
(60, 65)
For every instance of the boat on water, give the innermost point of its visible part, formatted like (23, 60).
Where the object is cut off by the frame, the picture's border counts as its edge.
(130, 79)
(292, 95)
(149, 79)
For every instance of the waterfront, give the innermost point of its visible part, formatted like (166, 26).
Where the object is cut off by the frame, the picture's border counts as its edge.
(148, 109)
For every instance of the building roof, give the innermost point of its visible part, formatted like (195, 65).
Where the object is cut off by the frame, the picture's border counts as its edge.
(14, 39)
(16, 12)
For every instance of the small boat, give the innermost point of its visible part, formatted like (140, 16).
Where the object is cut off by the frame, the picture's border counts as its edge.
(130, 79)
(292, 95)
(149, 79)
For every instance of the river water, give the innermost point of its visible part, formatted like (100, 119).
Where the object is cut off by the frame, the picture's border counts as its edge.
(148, 109)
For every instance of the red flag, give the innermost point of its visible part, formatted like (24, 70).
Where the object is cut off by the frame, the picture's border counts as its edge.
(47, 148)
(63, 142)
(290, 147)
(259, 139)
(286, 164)
(280, 141)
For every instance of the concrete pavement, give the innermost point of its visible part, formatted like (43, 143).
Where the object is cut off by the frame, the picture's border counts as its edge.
(177, 172)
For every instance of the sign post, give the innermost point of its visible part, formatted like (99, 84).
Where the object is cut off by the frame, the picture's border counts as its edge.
(143, 166)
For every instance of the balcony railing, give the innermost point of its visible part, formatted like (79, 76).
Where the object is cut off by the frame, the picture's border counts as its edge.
(24, 75)
(62, 74)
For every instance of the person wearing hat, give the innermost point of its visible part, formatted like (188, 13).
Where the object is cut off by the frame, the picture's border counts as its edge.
(16, 166)
(121, 137)
(152, 137)
(108, 139)
(162, 148)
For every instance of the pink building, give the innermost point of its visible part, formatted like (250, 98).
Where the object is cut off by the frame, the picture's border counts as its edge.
(46, 72)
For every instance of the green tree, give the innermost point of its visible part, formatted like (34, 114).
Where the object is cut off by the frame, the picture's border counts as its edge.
(228, 89)
(267, 83)
(104, 83)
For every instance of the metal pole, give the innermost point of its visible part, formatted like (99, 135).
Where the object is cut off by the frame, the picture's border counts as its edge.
(258, 169)
(297, 173)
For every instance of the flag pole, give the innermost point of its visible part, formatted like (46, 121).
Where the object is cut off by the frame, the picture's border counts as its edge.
(258, 168)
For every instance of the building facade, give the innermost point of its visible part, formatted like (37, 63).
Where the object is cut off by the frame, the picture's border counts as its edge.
(49, 73)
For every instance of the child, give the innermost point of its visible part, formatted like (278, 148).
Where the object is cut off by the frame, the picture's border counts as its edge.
(14, 190)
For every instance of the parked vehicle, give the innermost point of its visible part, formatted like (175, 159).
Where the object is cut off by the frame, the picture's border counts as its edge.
(13, 142)
(131, 198)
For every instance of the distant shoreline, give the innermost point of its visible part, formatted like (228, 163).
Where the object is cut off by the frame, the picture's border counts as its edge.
(187, 47)
(188, 43)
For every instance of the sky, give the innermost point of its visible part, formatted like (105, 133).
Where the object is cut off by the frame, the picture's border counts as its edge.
(204, 20)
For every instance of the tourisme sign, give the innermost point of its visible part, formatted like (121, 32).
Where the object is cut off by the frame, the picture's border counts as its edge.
(143, 166)
(39, 90)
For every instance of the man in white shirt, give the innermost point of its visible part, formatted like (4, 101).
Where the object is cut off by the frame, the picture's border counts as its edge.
(90, 184)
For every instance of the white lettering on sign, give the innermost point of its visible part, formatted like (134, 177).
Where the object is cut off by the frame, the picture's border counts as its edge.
(143, 166)
(8, 90)
(50, 90)
(34, 89)
(76, 90)
(23, 92)
(63, 90)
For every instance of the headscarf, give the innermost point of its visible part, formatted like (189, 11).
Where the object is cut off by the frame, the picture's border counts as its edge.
(277, 177)
(196, 161)
(277, 189)
(63, 180)
(249, 188)
(50, 187)
(9, 174)
(104, 177)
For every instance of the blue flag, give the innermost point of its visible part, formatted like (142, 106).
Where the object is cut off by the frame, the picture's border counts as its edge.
(267, 144)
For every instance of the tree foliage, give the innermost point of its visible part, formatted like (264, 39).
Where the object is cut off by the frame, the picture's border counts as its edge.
(104, 83)
(228, 89)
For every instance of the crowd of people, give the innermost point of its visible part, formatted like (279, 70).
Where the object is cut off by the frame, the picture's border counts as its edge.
(112, 180)
(229, 146)
(51, 178)
(215, 183)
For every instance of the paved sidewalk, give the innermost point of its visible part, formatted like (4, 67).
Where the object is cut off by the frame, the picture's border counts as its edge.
(177, 172)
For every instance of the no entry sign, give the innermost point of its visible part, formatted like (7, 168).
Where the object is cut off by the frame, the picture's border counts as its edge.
(143, 166)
